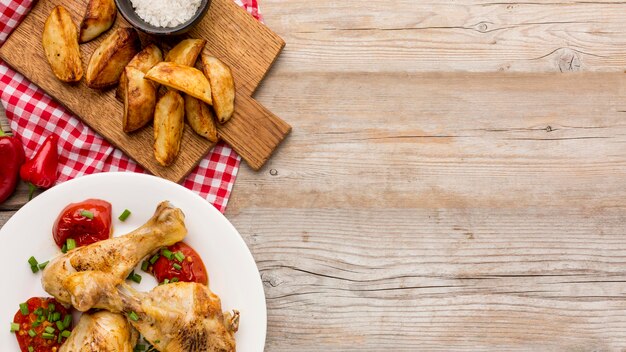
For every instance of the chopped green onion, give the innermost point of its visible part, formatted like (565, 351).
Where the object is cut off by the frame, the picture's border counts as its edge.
(179, 256)
(167, 253)
(31, 349)
(47, 336)
(67, 321)
(136, 278)
(60, 338)
(166, 281)
(176, 266)
(51, 307)
(60, 325)
(87, 214)
(49, 329)
(36, 323)
(34, 268)
(140, 347)
(144, 265)
(15, 327)
(133, 316)
(71, 244)
(64, 248)
(174, 279)
(124, 215)
(66, 333)
(38, 311)
(32, 333)
(56, 316)
(154, 258)
(43, 265)
(32, 261)
(130, 276)
(49, 317)
(24, 309)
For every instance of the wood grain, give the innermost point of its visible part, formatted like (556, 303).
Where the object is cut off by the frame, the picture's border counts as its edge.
(248, 46)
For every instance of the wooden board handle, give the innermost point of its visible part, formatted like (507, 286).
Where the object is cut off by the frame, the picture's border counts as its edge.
(253, 131)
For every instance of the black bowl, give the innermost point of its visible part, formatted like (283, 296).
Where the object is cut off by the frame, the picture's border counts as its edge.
(125, 7)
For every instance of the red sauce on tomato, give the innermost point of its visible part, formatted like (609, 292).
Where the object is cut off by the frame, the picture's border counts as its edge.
(73, 223)
(33, 322)
(191, 268)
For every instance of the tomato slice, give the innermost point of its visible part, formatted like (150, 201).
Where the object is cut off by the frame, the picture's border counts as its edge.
(190, 269)
(42, 315)
(86, 222)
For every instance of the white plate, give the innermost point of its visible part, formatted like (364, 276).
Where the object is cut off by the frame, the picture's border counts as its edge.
(233, 274)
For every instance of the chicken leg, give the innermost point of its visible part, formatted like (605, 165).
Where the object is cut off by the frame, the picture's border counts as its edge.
(116, 256)
(103, 332)
(177, 317)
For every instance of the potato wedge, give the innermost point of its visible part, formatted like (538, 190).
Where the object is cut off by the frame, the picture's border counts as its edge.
(143, 61)
(60, 43)
(99, 17)
(186, 52)
(222, 87)
(168, 127)
(109, 60)
(139, 100)
(200, 118)
(183, 78)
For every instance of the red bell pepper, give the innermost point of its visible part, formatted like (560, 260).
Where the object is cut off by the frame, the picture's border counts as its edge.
(11, 158)
(41, 170)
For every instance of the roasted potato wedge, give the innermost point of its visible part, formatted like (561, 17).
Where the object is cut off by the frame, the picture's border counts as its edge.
(139, 100)
(200, 118)
(60, 43)
(169, 122)
(186, 79)
(109, 60)
(143, 61)
(99, 17)
(222, 87)
(186, 52)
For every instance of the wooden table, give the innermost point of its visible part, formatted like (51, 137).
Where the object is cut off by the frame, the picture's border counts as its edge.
(456, 178)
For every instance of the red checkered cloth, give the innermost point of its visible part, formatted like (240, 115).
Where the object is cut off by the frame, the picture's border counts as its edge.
(34, 115)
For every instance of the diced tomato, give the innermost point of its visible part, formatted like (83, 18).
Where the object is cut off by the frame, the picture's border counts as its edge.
(191, 267)
(41, 315)
(86, 222)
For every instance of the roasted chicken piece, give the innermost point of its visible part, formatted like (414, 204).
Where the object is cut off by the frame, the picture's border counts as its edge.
(177, 317)
(101, 331)
(116, 256)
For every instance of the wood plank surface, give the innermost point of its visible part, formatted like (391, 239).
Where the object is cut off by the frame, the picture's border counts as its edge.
(247, 46)
(442, 192)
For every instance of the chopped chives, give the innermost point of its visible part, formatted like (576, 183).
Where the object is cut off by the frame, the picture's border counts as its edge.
(31, 349)
(166, 281)
(144, 266)
(140, 347)
(24, 309)
(32, 333)
(60, 325)
(154, 258)
(66, 333)
(176, 266)
(15, 327)
(38, 311)
(47, 336)
(51, 307)
(56, 316)
(32, 261)
(130, 276)
(133, 316)
(174, 279)
(64, 248)
(87, 214)
(167, 253)
(125, 215)
(136, 278)
(43, 265)
(71, 244)
(36, 323)
(60, 338)
(179, 256)
(34, 268)
(67, 321)
(49, 329)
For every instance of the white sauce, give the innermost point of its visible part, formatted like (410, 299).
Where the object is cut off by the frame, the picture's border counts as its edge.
(166, 13)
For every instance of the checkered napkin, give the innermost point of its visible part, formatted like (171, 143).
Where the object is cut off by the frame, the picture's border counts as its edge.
(34, 115)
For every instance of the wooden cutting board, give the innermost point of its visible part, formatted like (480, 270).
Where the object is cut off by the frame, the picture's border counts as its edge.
(232, 35)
